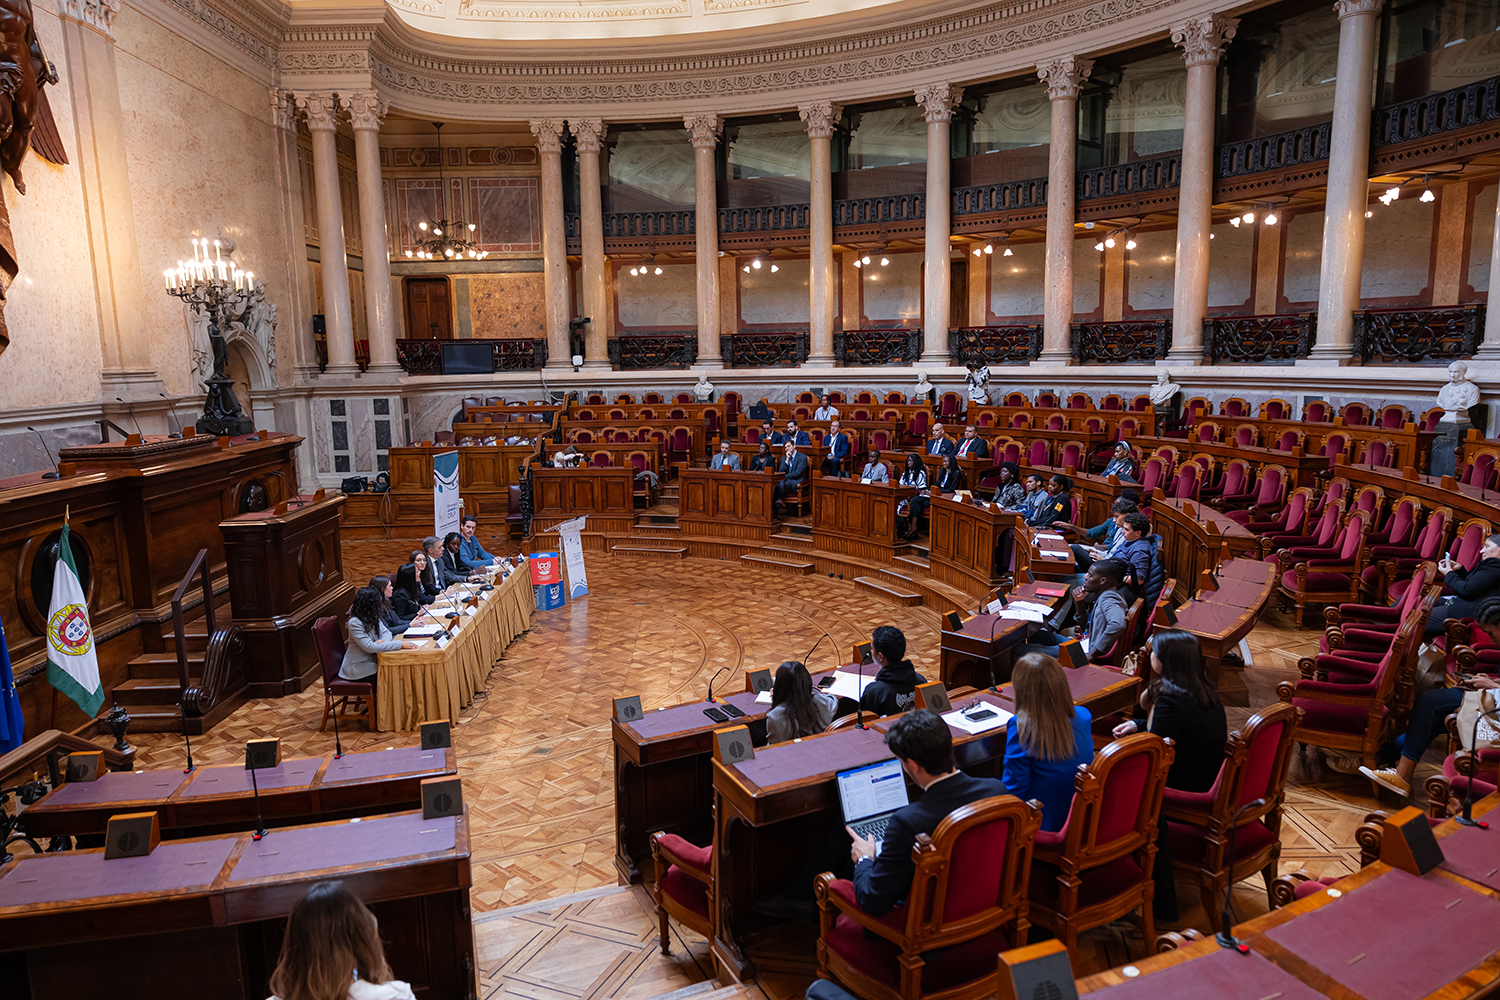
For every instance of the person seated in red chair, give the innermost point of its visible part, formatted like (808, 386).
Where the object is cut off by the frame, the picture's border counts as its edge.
(972, 445)
(837, 443)
(794, 472)
(792, 435)
(1430, 713)
(1122, 464)
(883, 869)
(1054, 505)
(725, 459)
(1469, 586)
(940, 443)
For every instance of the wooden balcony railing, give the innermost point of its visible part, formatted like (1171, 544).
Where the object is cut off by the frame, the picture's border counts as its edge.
(636, 351)
(1120, 342)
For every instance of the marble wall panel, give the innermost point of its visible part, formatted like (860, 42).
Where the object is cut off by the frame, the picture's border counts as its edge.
(416, 203)
(656, 301)
(504, 306)
(1231, 264)
(1016, 288)
(507, 214)
(775, 299)
(1398, 249)
(893, 294)
(1301, 272)
(1149, 270)
(1481, 239)
(1088, 276)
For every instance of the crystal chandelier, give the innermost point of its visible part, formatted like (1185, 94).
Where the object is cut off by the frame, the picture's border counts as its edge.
(445, 238)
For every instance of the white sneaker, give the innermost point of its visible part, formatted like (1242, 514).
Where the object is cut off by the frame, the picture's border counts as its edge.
(1341, 764)
(1387, 777)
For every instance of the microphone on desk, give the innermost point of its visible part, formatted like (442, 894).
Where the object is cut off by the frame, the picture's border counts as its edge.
(1467, 819)
(990, 655)
(131, 410)
(1225, 937)
(714, 678)
(810, 652)
(191, 767)
(171, 420)
(54, 474)
(338, 746)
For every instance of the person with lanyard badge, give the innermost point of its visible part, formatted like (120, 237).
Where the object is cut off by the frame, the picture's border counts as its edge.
(874, 471)
(1122, 464)
(909, 511)
(825, 410)
(1054, 505)
(837, 444)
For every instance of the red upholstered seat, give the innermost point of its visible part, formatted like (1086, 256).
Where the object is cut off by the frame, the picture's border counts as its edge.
(1189, 842)
(1098, 885)
(1317, 581)
(684, 885)
(1333, 716)
(328, 638)
(975, 864)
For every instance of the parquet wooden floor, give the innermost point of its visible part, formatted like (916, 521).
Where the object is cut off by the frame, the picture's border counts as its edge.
(534, 752)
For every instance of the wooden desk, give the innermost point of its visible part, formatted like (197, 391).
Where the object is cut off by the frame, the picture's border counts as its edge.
(766, 810)
(727, 504)
(697, 430)
(1302, 467)
(788, 411)
(204, 917)
(217, 799)
(1290, 955)
(418, 685)
(485, 475)
(1413, 447)
(504, 412)
(606, 494)
(1221, 619)
(996, 419)
(1466, 501)
(1189, 545)
(856, 519)
(969, 545)
(977, 654)
(468, 434)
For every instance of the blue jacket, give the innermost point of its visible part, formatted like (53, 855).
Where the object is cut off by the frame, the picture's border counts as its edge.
(780, 437)
(472, 554)
(837, 445)
(1105, 531)
(1050, 781)
(796, 470)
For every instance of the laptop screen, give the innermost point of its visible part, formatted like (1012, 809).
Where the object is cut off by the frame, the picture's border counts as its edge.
(872, 790)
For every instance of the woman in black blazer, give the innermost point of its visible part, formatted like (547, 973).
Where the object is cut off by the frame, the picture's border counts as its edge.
(1469, 587)
(951, 477)
(389, 617)
(1180, 706)
(406, 594)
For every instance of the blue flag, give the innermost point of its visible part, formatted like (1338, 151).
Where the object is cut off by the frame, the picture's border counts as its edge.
(12, 725)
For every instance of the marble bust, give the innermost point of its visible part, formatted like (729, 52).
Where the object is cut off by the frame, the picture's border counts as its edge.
(1164, 389)
(923, 387)
(1459, 394)
(704, 390)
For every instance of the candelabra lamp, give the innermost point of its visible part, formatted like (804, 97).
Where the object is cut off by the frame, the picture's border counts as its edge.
(212, 284)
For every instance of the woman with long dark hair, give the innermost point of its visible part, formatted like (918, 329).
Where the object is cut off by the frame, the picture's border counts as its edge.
(407, 596)
(1047, 740)
(951, 477)
(909, 511)
(332, 951)
(797, 708)
(368, 637)
(393, 619)
(1180, 705)
(427, 579)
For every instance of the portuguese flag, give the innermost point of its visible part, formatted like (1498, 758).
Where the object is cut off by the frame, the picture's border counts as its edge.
(72, 662)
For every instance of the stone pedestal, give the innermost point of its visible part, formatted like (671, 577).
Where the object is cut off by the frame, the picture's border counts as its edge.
(1446, 445)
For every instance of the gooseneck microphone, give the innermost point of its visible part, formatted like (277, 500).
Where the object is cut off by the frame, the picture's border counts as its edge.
(131, 410)
(338, 746)
(810, 652)
(171, 419)
(54, 474)
(1226, 937)
(714, 678)
(1467, 819)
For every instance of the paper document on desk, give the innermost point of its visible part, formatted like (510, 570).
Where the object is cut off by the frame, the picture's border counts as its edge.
(1031, 606)
(958, 720)
(1014, 613)
(764, 698)
(422, 631)
(441, 643)
(1051, 535)
(848, 685)
(1049, 554)
(471, 611)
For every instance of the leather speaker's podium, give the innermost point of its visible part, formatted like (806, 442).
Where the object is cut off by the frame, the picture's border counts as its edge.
(286, 570)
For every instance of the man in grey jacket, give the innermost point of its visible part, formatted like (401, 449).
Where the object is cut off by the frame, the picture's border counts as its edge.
(1102, 598)
(725, 459)
(875, 469)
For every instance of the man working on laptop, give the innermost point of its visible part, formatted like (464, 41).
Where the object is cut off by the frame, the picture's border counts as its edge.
(924, 746)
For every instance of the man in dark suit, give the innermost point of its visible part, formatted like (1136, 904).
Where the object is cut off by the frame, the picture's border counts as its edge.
(940, 443)
(793, 435)
(972, 446)
(883, 870)
(837, 443)
(794, 472)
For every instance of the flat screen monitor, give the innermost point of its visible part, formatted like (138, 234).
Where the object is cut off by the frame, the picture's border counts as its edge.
(460, 358)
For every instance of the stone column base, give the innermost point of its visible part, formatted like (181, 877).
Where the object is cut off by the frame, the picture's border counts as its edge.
(1339, 356)
(384, 372)
(1177, 357)
(819, 361)
(342, 371)
(1055, 358)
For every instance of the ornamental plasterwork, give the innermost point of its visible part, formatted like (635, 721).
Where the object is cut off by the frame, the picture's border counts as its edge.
(1203, 38)
(721, 6)
(582, 10)
(235, 25)
(95, 13)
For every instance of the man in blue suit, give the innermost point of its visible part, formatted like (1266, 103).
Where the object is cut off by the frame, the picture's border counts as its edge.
(940, 443)
(794, 472)
(837, 459)
(793, 435)
(883, 870)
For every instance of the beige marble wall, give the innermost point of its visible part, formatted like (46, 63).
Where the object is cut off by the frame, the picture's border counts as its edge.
(654, 301)
(1398, 248)
(54, 354)
(1088, 276)
(1149, 268)
(1447, 267)
(1481, 238)
(201, 152)
(503, 306)
(892, 294)
(1231, 264)
(1302, 268)
(1268, 249)
(775, 299)
(1113, 261)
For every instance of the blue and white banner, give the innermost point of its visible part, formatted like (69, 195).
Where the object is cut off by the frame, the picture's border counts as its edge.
(572, 547)
(446, 503)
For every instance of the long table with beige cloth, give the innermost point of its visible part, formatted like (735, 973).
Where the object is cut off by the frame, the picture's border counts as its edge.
(418, 685)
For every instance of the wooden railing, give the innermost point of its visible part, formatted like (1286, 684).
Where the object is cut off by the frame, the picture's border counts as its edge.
(199, 568)
(854, 348)
(1242, 340)
(635, 351)
(1122, 341)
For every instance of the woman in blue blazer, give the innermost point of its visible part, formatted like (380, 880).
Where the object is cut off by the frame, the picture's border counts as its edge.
(1048, 740)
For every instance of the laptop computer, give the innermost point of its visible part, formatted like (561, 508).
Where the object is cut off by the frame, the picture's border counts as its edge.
(870, 794)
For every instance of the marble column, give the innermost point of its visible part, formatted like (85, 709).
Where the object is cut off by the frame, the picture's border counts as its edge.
(937, 101)
(298, 308)
(1489, 347)
(1202, 39)
(821, 117)
(1348, 181)
(589, 135)
(321, 110)
(704, 130)
(549, 133)
(366, 109)
(1062, 78)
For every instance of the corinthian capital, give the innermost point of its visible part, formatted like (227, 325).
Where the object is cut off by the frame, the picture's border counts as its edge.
(283, 109)
(820, 117)
(1349, 8)
(366, 109)
(938, 100)
(1203, 38)
(705, 129)
(320, 108)
(1063, 76)
(588, 133)
(549, 133)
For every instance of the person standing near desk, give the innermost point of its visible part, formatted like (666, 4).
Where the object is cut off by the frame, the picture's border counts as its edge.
(894, 689)
(470, 552)
(837, 443)
(725, 459)
(972, 446)
(794, 473)
(940, 443)
(924, 746)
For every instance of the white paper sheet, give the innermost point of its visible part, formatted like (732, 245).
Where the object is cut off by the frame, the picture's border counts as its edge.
(847, 685)
(1014, 613)
(1031, 606)
(960, 721)
(1049, 534)
(764, 698)
(422, 631)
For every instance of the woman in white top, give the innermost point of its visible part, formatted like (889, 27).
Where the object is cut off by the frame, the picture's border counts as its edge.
(797, 708)
(368, 636)
(909, 512)
(332, 951)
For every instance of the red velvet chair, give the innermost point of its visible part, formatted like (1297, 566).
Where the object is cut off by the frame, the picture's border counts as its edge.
(968, 899)
(865, 396)
(1246, 436)
(1153, 475)
(1206, 432)
(1234, 406)
(1275, 408)
(1111, 401)
(624, 397)
(1337, 489)
(1317, 412)
(653, 398)
(1046, 399)
(732, 404)
(1356, 415)
(1016, 399)
(836, 398)
(1187, 482)
(1363, 631)
(1318, 534)
(1379, 452)
(1334, 446)
(1399, 525)
(680, 447)
(328, 637)
(585, 414)
(1057, 422)
(1039, 453)
(1290, 520)
(1480, 471)
(806, 397)
(1237, 481)
(684, 885)
(1097, 868)
(895, 397)
(1263, 498)
(1307, 578)
(950, 405)
(602, 459)
(1020, 421)
(1393, 416)
(1078, 401)
(1140, 403)
(1199, 823)
(1072, 454)
(1290, 440)
(916, 432)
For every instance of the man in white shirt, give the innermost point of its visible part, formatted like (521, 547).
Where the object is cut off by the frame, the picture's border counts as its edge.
(837, 443)
(972, 445)
(725, 459)
(825, 410)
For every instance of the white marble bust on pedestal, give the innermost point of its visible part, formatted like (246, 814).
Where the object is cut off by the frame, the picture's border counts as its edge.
(923, 387)
(1459, 394)
(1164, 389)
(704, 390)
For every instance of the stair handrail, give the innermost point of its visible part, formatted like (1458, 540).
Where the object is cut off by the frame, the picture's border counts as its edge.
(55, 741)
(200, 563)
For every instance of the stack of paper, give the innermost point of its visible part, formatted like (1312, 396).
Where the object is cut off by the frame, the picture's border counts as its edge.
(1014, 613)
(422, 631)
(1031, 606)
(958, 720)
